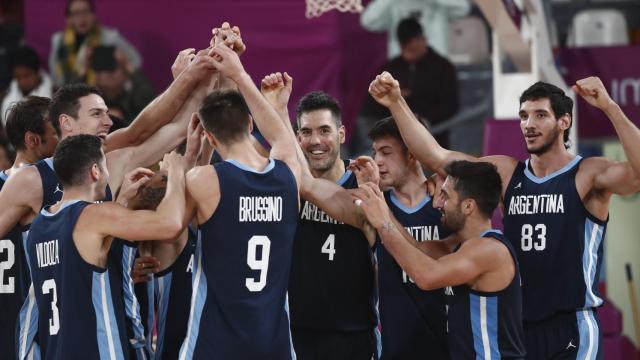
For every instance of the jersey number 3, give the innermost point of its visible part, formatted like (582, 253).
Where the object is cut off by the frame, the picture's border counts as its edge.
(49, 286)
(528, 232)
(261, 265)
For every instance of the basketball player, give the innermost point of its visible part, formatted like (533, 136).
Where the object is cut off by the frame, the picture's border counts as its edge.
(331, 287)
(478, 266)
(80, 109)
(69, 243)
(33, 136)
(246, 208)
(171, 285)
(555, 209)
(413, 320)
(170, 290)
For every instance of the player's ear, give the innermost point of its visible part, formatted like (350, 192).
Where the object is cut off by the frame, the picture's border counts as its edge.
(468, 205)
(341, 134)
(95, 172)
(65, 123)
(564, 121)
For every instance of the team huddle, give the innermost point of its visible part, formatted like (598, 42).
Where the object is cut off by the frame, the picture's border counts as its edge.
(253, 240)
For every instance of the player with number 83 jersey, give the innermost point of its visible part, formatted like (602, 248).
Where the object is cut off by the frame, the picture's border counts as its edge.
(556, 238)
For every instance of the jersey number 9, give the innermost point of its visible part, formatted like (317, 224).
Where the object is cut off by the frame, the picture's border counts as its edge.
(261, 265)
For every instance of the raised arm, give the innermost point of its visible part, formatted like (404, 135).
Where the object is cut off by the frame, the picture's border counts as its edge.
(163, 141)
(266, 118)
(615, 177)
(386, 91)
(165, 223)
(162, 109)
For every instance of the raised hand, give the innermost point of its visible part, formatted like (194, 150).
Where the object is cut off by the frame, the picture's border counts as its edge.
(132, 182)
(173, 162)
(201, 66)
(366, 170)
(276, 88)
(194, 141)
(371, 200)
(183, 60)
(229, 36)
(227, 62)
(593, 91)
(385, 89)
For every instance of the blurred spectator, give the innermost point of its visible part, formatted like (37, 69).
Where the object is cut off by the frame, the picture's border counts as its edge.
(6, 155)
(28, 79)
(123, 88)
(71, 48)
(428, 82)
(433, 15)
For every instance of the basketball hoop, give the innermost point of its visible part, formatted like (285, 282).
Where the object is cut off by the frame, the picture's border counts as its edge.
(315, 8)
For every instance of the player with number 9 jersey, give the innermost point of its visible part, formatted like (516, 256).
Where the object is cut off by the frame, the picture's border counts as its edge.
(241, 268)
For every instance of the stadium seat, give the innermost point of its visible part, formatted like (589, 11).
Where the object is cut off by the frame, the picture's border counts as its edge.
(603, 27)
(468, 41)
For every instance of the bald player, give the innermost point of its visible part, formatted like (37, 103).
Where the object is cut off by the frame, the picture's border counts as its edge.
(555, 208)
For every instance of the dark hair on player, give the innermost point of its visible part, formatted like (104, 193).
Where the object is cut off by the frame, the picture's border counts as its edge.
(225, 114)
(4, 144)
(25, 56)
(408, 29)
(386, 127)
(319, 100)
(29, 114)
(561, 104)
(479, 181)
(74, 156)
(66, 101)
(67, 8)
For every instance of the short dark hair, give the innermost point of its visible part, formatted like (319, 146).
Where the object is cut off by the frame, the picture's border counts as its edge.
(561, 104)
(25, 56)
(319, 100)
(74, 156)
(408, 29)
(386, 127)
(225, 114)
(479, 181)
(29, 114)
(65, 101)
(4, 144)
(67, 8)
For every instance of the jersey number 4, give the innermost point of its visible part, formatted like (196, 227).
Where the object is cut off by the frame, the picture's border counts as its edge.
(329, 247)
(8, 286)
(528, 242)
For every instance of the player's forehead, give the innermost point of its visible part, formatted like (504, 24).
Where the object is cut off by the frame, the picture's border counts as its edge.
(385, 143)
(537, 105)
(317, 119)
(91, 102)
(448, 187)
